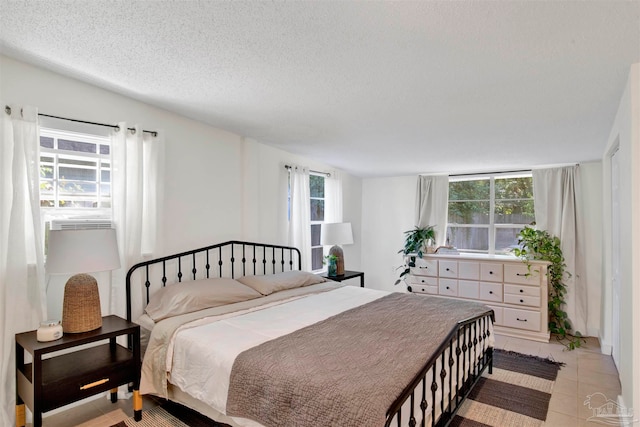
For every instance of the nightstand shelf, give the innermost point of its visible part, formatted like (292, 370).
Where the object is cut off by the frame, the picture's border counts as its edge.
(56, 381)
(346, 276)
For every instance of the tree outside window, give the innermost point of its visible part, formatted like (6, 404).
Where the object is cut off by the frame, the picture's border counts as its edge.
(486, 213)
(317, 199)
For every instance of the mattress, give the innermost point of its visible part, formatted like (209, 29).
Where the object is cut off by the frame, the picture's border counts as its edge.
(198, 371)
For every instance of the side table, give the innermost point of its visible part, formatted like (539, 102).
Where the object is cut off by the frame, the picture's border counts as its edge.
(49, 383)
(346, 276)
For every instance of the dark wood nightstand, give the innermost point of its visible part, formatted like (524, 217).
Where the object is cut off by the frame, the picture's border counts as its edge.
(346, 276)
(49, 383)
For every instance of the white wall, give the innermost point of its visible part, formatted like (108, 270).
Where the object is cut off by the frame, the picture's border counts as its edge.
(388, 209)
(218, 185)
(625, 136)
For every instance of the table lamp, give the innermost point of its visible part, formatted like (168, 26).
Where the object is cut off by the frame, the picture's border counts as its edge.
(338, 233)
(82, 251)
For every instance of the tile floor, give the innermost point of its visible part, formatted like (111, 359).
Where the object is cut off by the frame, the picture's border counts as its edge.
(587, 371)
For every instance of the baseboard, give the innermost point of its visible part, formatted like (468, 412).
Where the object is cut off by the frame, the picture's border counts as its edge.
(626, 421)
(605, 347)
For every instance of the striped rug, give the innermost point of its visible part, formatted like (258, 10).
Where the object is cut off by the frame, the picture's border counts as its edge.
(516, 394)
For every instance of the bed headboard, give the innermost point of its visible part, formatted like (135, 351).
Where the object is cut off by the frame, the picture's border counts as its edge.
(229, 259)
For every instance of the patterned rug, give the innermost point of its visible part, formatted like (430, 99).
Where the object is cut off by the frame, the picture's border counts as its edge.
(170, 414)
(516, 394)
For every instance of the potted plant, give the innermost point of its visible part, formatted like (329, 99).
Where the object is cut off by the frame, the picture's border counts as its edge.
(332, 267)
(540, 245)
(416, 242)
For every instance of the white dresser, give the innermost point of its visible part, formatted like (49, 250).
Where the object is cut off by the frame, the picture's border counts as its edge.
(518, 295)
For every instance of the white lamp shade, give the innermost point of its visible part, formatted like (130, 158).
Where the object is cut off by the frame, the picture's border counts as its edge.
(338, 233)
(82, 251)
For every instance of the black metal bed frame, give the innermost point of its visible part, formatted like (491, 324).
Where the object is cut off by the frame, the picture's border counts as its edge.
(465, 342)
(224, 256)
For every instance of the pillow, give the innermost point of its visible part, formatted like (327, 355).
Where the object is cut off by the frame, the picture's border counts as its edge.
(271, 283)
(186, 297)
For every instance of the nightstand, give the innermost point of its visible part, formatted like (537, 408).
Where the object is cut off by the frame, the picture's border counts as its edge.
(51, 382)
(346, 276)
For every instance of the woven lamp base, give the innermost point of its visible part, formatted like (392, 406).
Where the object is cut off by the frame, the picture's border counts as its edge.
(81, 306)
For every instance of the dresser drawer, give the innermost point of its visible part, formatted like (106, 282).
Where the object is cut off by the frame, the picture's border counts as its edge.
(531, 291)
(519, 273)
(425, 267)
(468, 270)
(422, 280)
(498, 314)
(421, 289)
(448, 269)
(448, 287)
(490, 272)
(491, 292)
(522, 300)
(521, 319)
(468, 289)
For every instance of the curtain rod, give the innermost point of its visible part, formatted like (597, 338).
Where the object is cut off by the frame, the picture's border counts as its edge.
(153, 133)
(327, 174)
(7, 110)
(489, 173)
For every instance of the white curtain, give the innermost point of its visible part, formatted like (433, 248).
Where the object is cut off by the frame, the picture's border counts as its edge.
(299, 215)
(22, 284)
(432, 200)
(333, 197)
(557, 194)
(137, 163)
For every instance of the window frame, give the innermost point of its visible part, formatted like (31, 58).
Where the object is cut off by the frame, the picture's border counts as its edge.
(319, 223)
(56, 212)
(492, 227)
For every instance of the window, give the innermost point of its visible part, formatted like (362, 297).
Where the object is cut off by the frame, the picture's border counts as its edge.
(75, 176)
(75, 171)
(487, 213)
(317, 196)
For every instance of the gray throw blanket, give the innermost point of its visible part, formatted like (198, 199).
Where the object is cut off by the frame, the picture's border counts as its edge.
(346, 370)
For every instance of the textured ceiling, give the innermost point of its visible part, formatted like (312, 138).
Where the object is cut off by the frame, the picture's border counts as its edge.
(374, 88)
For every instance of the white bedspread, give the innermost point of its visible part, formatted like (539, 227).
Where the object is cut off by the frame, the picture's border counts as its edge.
(203, 355)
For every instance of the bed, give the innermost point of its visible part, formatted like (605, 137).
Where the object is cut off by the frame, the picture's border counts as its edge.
(237, 332)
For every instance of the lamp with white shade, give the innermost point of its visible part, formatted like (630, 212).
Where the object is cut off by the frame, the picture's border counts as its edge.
(335, 234)
(82, 251)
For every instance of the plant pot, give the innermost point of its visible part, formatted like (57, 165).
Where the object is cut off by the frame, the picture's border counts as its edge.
(332, 268)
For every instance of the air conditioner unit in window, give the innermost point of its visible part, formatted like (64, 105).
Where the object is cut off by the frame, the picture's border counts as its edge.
(80, 224)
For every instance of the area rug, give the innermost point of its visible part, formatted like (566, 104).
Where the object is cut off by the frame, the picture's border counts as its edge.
(516, 394)
(170, 414)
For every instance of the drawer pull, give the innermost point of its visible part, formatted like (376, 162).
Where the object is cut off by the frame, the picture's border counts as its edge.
(521, 290)
(491, 292)
(94, 384)
(423, 267)
(422, 280)
(520, 274)
(447, 287)
(521, 320)
(448, 269)
(491, 272)
(521, 300)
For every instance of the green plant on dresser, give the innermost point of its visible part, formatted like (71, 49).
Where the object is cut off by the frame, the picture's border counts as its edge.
(415, 242)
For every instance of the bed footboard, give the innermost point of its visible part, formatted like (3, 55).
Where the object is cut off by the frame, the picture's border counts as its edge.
(437, 392)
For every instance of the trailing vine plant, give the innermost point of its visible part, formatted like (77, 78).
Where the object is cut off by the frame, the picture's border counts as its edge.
(540, 245)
